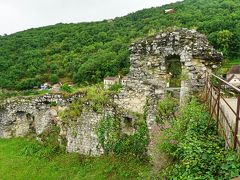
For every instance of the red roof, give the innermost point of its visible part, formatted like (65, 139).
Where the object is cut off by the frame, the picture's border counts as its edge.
(110, 78)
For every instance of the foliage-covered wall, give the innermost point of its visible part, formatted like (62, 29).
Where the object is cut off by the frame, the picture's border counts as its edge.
(87, 52)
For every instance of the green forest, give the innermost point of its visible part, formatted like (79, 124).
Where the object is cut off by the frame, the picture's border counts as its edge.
(85, 53)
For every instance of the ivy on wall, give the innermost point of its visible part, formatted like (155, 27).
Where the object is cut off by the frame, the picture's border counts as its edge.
(114, 141)
(96, 97)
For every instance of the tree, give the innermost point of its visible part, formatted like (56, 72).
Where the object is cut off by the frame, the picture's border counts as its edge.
(54, 78)
(86, 52)
(224, 38)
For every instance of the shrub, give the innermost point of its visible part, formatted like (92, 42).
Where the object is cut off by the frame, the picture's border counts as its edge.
(197, 151)
(54, 78)
(166, 109)
(115, 87)
(113, 141)
(35, 149)
(48, 147)
(53, 104)
(27, 84)
(66, 88)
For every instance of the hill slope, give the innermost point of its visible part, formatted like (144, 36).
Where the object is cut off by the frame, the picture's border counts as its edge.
(87, 52)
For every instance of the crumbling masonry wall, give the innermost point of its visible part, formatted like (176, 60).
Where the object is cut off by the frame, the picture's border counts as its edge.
(24, 116)
(147, 81)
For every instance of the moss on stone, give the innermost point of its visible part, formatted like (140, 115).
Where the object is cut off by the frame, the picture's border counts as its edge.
(96, 98)
(113, 140)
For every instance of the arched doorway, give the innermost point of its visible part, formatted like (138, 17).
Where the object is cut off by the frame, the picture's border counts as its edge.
(174, 71)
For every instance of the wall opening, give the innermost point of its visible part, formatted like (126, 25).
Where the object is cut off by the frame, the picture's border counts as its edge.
(26, 119)
(20, 114)
(127, 125)
(31, 120)
(128, 121)
(174, 70)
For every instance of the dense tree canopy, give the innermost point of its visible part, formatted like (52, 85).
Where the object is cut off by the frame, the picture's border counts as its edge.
(87, 52)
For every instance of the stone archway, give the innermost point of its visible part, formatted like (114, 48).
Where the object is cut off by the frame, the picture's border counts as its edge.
(174, 70)
(151, 59)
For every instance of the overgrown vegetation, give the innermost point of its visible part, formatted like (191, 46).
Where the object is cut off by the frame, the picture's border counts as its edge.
(166, 110)
(25, 159)
(116, 142)
(66, 88)
(96, 97)
(48, 147)
(87, 52)
(196, 150)
(4, 94)
(175, 68)
(115, 87)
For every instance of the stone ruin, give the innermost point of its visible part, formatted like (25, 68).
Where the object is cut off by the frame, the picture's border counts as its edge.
(23, 116)
(154, 62)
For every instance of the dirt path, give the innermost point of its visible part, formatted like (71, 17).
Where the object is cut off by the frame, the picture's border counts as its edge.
(159, 160)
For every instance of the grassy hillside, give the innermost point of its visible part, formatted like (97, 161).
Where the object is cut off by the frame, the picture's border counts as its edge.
(25, 159)
(87, 52)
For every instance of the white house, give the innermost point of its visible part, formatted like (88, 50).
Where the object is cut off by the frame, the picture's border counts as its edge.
(233, 76)
(109, 81)
(44, 86)
(124, 80)
(169, 11)
(235, 81)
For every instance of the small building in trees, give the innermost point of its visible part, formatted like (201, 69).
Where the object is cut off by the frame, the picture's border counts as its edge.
(169, 11)
(233, 76)
(109, 81)
(44, 86)
(124, 80)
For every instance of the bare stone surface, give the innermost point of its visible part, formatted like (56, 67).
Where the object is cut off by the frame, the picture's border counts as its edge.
(82, 138)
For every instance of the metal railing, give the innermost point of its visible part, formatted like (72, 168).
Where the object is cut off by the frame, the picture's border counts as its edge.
(225, 110)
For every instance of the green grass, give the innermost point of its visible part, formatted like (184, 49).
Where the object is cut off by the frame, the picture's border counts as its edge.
(15, 164)
(4, 94)
(230, 63)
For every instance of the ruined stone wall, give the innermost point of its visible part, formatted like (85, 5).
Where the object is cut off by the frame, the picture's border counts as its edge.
(147, 79)
(24, 116)
(81, 134)
(32, 116)
(82, 138)
(21, 115)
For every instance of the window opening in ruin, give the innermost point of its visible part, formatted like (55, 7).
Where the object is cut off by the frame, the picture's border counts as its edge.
(30, 118)
(128, 121)
(20, 114)
(174, 70)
